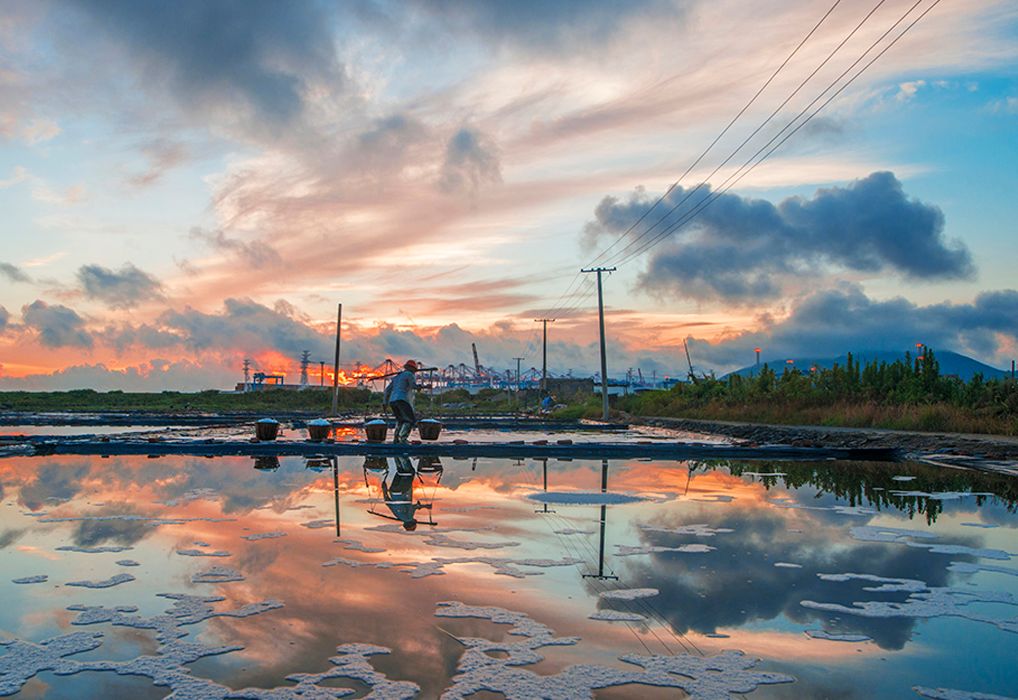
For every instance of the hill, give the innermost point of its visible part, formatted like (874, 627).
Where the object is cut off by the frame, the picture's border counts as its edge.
(951, 363)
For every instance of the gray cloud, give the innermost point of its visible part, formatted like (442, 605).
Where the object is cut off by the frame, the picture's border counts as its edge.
(119, 290)
(5, 318)
(163, 155)
(831, 322)
(257, 254)
(471, 161)
(740, 249)
(251, 56)
(13, 273)
(545, 25)
(247, 326)
(57, 325)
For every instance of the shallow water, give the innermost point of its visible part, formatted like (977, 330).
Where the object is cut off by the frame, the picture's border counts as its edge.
(710, 557)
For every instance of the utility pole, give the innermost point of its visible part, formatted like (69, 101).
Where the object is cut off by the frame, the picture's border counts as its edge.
(604, 360)
(518, 361)
(335, 364)
(321, 372)
(544, 355)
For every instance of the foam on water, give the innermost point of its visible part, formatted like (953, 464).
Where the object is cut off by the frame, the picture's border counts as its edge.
(712, 677)
(436, 566)
(263, 536)
(922, 602)
(41, 578)
(202, 553)
(834, 637)
(870, 533)
(104, 549)
(318, 524)
(625, 550)
(585, 498)
(114, 580)
(617, 616)
(695, 530)
(217, 574)
(950, 694)
(629, 593)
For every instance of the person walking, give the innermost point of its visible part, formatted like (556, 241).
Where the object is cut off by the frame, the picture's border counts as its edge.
(399, 396)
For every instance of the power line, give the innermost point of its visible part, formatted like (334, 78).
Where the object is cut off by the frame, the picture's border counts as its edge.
(757, 130)
(738, 115)
(749, 165)
(723, 131)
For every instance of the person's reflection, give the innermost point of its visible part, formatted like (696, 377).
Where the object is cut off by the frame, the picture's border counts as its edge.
(398, 492)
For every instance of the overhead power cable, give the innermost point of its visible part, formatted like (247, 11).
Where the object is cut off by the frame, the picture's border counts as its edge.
(750, 165)
(556, 308)
(757, 130)
(722, 133)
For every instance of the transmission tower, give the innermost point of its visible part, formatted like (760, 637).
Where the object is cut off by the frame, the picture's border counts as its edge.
(305, 360)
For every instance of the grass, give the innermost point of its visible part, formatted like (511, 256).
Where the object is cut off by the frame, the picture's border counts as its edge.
(932, 417)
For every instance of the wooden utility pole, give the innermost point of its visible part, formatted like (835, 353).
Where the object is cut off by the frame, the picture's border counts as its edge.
(604, 360)
(518, 361)
(335, 363)
(544, 355)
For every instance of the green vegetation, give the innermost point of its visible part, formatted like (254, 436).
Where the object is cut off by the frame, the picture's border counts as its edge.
(314, 400)
(908, 394)
(872, 484)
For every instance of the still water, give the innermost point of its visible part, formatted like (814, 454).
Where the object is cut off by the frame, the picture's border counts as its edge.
(621, 579)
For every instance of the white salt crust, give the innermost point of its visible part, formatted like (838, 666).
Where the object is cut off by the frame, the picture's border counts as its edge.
(872, 533)
(202, 553)
(949, 694)
(264, 536)
(436, 566)
(41, 578)
(584, 498)
(629, 593)
(708, 678)
(217, 574)
(617, 616)
(625, 550)
(695, 530)
(834, 637)
(94, 550)
(318, 524)
(922, 601)
(110, 582)
(168, 667)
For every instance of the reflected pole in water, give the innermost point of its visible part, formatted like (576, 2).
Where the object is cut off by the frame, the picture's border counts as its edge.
(545, 509)
(335, 488)
(604, 519)
(335, 364)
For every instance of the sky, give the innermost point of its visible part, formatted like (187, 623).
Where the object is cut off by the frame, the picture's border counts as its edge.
(187, 184)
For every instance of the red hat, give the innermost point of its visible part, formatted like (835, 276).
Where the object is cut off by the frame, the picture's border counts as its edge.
(411, 365)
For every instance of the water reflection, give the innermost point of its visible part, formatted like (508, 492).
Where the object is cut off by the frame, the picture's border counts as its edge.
(396, 478)
(274, 524)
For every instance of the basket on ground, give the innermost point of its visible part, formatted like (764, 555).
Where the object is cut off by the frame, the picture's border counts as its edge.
(318, 429)
(375, 430)
(429, 429)
(267, 429)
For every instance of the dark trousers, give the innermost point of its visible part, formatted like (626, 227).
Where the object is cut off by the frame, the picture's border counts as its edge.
(403, 412)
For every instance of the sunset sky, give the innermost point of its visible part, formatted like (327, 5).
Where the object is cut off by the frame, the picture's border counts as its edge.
(186, 184)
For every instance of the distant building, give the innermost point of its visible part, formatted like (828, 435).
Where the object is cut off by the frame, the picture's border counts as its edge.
(567, 389)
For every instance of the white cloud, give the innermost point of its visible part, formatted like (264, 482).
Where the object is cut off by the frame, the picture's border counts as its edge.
(40, 131)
